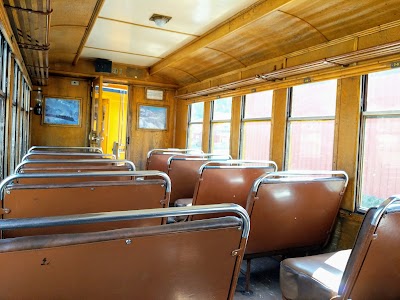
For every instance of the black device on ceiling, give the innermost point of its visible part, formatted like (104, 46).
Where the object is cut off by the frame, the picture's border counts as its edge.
(103, 65)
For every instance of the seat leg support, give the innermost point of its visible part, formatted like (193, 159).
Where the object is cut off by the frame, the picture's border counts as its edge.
(247, 290)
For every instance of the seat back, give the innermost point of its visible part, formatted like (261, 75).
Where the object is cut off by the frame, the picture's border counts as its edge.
(66, 177)
(44, 200)
(74, 165)
(184, 174)
(293, 210)
(64, 149)
(65, 155)
(372, 271)
(157, 159)
(228, 182)
(198, 259)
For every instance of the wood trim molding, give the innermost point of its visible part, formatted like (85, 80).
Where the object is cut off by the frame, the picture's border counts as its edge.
(243, 18)
(89, 28)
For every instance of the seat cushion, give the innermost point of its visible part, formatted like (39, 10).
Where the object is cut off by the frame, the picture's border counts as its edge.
(183, 202)
(313, 277)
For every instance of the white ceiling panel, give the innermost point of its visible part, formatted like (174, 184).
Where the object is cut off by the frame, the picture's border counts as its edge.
(135, 39)
(123, 58)
(189, 16)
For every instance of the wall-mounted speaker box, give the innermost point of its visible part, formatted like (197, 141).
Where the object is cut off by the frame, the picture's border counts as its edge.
(102, 65)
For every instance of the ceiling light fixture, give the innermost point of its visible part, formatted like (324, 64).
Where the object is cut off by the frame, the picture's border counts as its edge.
(160, 20)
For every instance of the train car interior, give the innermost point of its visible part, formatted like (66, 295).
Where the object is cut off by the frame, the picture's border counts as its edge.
(213, 149)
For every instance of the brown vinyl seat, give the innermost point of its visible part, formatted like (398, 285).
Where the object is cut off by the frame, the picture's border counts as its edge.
(44, 200)
(369, 271)
(292, 212)
(34, 149)
(66, 177)
(227, 182)
(64, 155)
(184, 174)
(157, 159)
(134, 263)
(78, 165)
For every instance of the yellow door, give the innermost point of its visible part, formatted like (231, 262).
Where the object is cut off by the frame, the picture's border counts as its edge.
(115, 107)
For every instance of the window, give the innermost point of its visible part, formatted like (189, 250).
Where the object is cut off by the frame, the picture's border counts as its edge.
(195, 126)
(220, 125)
(27, 100)
(3, 72)
(256, 126)
(14, 118)
(24, 119)
(5, 64)
(311, 125)
(2, 134)
(380, 142)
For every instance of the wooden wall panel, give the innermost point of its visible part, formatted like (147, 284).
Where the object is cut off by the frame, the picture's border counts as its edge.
(345, 231)
(50, 135)
(143, 140)
(235, 127)
(206, 127)
(278, 127)
(348, 113)
(182, 109)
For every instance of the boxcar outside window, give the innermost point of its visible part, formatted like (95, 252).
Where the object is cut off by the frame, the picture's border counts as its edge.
(195, 126)
(380, 141)
(220, 125)
(311, 122)
(256, 126)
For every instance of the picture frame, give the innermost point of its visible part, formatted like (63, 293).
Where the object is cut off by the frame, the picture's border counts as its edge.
(152, 117)
(154, 94)
(60, 111)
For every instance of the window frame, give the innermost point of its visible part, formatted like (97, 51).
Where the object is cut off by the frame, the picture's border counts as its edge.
(193, 123)
(244, 120)
(212, 122)
(365, 115)
(290, 119)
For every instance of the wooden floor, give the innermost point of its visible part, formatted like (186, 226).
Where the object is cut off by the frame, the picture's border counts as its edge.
(264, 280)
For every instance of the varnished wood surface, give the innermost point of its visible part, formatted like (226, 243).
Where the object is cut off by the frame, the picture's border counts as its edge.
(346, 134)
(235, 127)
(267, 36)
(143, 140)
(51, 135)
(278, 128)
(181, 128)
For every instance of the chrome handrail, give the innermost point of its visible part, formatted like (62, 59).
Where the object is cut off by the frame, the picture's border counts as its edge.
(173, 151)
(10, 224)
(207, 165)
(205, 156)
(68, 161)
(383, 208)
(55, 154)
(260, 179)
(60, 148)
(11, 178)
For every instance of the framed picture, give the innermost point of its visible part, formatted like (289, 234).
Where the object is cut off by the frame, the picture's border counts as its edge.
(153, 117)
(154, 94)
(62, 111)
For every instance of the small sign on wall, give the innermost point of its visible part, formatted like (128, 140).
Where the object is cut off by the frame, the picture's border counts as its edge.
(154, 94)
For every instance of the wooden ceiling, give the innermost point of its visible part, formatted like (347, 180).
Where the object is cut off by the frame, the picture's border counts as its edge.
(241, 39)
